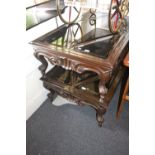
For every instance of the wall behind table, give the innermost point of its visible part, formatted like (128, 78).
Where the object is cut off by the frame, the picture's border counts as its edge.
(35, 93)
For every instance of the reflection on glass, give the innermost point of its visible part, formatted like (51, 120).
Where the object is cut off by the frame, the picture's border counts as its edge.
(68, 37)
(82, 38)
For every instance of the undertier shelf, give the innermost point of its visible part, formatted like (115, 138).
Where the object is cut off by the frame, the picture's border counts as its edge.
(84, 87)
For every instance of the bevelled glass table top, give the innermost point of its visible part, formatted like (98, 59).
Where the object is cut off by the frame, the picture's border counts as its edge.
(82, 38)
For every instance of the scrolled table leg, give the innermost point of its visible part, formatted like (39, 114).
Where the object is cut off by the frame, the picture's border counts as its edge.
(99, 115)
(103, 105)
(44, 64)
(52, 95)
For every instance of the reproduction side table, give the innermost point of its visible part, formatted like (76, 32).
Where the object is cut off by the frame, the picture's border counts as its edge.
(87, 64)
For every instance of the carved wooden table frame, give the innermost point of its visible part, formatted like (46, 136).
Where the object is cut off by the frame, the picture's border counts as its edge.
(80, 62)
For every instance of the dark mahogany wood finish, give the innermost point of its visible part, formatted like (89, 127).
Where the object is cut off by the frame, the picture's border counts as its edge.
(108, 70)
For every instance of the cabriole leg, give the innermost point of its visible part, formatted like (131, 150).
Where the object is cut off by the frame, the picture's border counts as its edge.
(99, 116)
(103, 105)
(52, 95)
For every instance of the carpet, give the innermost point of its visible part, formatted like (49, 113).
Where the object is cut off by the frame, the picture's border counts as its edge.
(73, 130)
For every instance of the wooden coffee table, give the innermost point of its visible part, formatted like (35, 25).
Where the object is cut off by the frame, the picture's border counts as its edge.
(86, 70)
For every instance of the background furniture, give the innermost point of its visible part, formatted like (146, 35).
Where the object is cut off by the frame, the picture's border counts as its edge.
(124, 87)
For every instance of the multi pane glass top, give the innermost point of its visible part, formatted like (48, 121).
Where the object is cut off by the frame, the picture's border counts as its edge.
(82, 38)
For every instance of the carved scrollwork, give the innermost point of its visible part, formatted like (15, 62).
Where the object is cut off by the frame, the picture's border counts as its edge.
(68, 64)
(70, 97)
(43, 65)
(63, 62)
(103, 89)
(55, 60)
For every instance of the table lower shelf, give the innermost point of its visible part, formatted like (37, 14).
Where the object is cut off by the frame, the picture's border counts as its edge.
(80, 88)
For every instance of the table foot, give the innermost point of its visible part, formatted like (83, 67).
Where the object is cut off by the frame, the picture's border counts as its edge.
(99, 116)
(52, 95)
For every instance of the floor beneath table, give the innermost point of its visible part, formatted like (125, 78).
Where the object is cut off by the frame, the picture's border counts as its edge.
(73, 130)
